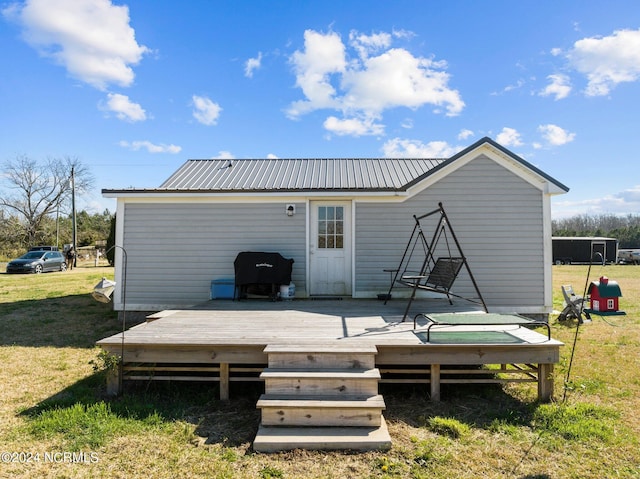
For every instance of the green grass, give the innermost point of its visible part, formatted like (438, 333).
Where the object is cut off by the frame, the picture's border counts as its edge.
(448, 426)
(88, 427)
(581, 422)
(52, 399)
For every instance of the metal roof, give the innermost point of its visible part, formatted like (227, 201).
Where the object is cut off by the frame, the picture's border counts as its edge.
(316, 174)
(343, 174)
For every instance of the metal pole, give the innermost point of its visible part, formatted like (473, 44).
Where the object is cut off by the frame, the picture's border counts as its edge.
(58, 226)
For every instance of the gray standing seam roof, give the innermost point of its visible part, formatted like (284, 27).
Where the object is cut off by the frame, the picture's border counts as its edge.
(343, 174)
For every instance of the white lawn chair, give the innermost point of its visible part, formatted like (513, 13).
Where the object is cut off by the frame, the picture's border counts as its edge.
(574, 305)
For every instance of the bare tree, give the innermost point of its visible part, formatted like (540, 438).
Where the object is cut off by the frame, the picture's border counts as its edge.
(34, 191)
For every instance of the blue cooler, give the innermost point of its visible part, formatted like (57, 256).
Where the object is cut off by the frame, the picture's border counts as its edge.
(222, 288)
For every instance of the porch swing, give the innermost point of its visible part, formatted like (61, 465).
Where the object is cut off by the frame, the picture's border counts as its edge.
(435, 273)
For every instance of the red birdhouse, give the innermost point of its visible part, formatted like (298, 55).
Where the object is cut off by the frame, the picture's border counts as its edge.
(604, 296)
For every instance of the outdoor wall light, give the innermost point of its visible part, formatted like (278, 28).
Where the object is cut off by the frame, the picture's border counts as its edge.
(291, 210)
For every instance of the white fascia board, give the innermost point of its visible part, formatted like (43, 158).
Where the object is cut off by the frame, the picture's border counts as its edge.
(506, 161)
(270, 197)
(521, 170)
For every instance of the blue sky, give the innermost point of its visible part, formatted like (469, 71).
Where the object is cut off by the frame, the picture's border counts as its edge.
(133, 89)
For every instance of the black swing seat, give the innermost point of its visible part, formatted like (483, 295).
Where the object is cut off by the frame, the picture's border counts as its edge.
(436, 275)
(440, 278)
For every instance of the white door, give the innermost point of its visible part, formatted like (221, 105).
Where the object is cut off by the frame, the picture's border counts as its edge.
(330, 248)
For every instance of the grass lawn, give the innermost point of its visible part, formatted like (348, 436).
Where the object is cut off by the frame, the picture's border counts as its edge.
(55, 420)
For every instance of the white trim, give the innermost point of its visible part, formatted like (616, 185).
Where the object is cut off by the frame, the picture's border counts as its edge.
(353, 248)
(349, 250)
(142, 195)
(307, 225)
(547, 251)
(118, 256)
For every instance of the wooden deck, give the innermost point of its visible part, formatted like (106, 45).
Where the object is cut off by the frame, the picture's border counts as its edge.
(225, 341)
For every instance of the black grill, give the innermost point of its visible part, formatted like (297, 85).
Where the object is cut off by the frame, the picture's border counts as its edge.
(261, 273)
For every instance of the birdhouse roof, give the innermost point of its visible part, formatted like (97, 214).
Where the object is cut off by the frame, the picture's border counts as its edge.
(606, 289)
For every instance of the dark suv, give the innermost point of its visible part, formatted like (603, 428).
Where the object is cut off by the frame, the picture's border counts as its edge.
(38, 262)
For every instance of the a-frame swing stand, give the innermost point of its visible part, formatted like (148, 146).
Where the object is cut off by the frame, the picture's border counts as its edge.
(435, 274)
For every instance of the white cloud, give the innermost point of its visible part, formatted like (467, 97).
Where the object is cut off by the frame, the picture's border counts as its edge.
(252, 64)
(407, 124)
(509, 137)
(271, 156)
(559, 86)
(515, 86)
(92, 39)
(404, 148)
(150, 147)
(607, 61)
(353, 126)
(397, 78)
(622, 203)
(377, 78)
(464, 134)
(323, 55)
(366, 45)
(405, 34)
(556, 136)
(124, 108)
(223, 155)
(206, 111)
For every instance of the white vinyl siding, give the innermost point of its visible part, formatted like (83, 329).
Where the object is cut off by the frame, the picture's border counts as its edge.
(175, 250)
(497, 218)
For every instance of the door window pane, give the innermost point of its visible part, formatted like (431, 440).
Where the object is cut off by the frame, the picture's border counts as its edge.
(331, 227)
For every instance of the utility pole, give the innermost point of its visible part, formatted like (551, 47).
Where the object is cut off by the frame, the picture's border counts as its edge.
(58, 225)
(73, 213)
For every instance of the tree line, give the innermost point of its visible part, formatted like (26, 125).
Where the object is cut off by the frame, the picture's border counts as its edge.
(92, 229)
(626, 229)
(36, 205)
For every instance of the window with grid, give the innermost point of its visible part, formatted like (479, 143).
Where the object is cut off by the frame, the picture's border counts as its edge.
(331, 227)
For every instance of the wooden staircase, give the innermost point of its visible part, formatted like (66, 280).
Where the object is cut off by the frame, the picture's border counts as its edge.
(321, 397)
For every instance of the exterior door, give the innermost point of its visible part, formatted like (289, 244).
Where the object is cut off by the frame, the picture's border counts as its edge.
(330, 248)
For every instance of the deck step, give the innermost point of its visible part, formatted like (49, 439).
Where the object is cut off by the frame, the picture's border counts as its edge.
(321, 382)
(372, 373)
(274, 439)
(287, 410)
(321, 356)
(317, 347)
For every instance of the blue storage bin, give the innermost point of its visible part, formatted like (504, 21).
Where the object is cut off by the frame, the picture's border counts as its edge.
(223, 288)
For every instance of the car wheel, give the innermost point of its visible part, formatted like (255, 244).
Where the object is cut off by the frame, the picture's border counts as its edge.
(38, 269)
(63, 266)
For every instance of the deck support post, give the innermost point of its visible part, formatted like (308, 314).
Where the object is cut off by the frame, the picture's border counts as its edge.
(545, 382)
(224, 381)
(113, 381)
(435, 382)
